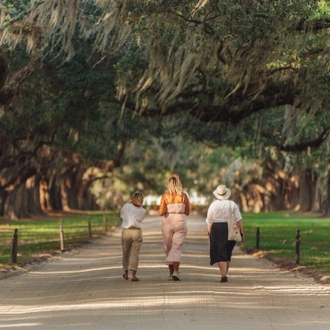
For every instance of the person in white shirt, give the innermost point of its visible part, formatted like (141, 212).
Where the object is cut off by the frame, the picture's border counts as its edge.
(217, 217)
(132, 215)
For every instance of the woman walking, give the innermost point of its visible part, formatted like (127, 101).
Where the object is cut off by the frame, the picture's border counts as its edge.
(174, 207)
(217, 217)
(132, 215)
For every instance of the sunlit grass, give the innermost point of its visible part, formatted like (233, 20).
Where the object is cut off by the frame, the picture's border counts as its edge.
(278, 232)
(43, 236)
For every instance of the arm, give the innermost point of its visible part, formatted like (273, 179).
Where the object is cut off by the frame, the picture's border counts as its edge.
(187, 203)
(240, 227)
(209, 220)
(121, 213)
(208, 229)
(140, 215)
(239, 222)
(162, 206)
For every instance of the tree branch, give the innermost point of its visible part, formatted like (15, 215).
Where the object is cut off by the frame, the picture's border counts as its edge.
(237, 107)
(313, 25)
(19, 16)
(298, 147)
(8, 91)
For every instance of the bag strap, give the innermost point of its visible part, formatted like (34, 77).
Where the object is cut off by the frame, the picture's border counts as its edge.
(231, 211)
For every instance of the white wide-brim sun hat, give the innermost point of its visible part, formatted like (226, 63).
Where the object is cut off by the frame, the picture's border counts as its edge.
(222, 192)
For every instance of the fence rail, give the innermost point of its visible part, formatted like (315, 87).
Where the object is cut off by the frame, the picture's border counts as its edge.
(296, 241)
(16, 243)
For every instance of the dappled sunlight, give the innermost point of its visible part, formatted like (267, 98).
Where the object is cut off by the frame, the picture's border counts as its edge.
(19, 325)
(84, 261)
(122, 303)
(73, 271)
(153, 302)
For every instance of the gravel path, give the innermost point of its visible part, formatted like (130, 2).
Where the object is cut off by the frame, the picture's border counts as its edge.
(84, 289)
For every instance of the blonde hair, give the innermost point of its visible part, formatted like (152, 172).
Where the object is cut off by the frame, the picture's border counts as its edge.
(137, 198)
(174, 186)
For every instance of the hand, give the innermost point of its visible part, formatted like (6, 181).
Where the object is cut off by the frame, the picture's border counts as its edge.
(242, 235)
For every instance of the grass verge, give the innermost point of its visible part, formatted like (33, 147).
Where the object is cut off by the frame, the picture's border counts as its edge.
(37, 238)
(277, 239)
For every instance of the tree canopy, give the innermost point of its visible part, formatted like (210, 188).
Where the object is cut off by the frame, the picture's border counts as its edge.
(218, 61)
(81, 81)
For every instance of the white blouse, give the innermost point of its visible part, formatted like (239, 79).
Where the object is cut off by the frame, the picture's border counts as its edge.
(132, 216)
(219, 211)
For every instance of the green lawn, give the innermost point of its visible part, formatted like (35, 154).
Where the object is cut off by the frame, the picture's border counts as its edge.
(278, 232)
(43, 236)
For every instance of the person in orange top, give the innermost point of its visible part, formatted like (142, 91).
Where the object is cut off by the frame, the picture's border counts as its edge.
(174, 207)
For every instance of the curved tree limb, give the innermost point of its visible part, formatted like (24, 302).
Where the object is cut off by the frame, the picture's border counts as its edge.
(313, 25)
(237, 107)
(302, 146)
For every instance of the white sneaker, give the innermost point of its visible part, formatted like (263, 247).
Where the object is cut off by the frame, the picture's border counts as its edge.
(170, 278)
(176, 276)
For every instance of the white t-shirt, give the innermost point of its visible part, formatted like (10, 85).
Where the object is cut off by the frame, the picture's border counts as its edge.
(132, 216)
(219, 211)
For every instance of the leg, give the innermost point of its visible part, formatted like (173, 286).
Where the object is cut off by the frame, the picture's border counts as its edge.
(230, 248)
(228, 265)
(223, 268)
(175, 253)
(171, 270)
(135, 250)
(175, 274)
(126, 246)
(167, 232)
(134, 278)
(178, 239)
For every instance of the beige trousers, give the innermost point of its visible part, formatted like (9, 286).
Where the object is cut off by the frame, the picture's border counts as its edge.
(131, 240)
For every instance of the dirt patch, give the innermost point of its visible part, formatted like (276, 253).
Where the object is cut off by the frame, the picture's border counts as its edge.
(24, 267)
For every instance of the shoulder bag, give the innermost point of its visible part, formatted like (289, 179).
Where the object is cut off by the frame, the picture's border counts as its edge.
(233, 230)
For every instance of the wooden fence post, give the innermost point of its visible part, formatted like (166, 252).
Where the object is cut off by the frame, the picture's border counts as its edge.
(14, 247)
(89, 229)
(298, 247)
(258, 238)
(105, 223)
(61, 238)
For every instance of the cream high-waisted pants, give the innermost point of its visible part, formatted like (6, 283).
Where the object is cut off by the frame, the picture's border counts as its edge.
(174, 229)
(131, 240)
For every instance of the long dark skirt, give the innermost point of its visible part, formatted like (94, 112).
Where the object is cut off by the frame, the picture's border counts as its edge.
(220, 248)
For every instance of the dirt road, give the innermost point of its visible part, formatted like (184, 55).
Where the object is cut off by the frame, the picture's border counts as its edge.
(84, 289)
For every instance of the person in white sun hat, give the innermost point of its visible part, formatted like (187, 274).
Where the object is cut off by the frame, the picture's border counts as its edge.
(217, 217)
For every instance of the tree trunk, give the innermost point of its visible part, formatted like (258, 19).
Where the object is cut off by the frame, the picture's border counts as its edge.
(306, 196)
(3, 201)
(44, 195)
(54, 192)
